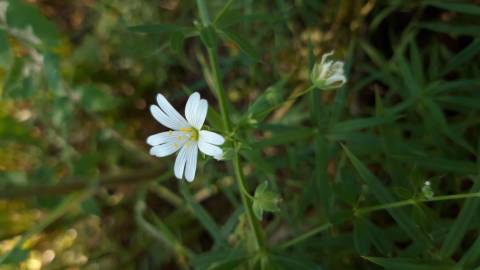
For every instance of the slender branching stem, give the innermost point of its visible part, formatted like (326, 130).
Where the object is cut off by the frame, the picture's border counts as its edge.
(414, 201)
(227, 128)
(306, 235)
(245, 196)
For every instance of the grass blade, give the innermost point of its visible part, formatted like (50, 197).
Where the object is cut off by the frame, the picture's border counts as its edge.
(462, 222)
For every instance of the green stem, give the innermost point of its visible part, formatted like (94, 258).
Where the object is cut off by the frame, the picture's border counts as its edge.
(220, 91)
(366, 210)
(227, 126)
(306, 235)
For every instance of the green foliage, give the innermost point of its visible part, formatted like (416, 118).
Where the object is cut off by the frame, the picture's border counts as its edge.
(382, 173)
(264, 200)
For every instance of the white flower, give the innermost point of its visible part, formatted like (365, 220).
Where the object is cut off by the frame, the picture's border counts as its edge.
(186, 135)
(328, 75)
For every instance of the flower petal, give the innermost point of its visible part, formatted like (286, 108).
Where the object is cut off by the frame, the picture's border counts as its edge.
(211, 137)
(191, 166)
(201, 114)
(325, 56)
(163, 119)
(166, 107)
(163, 137)
(191, 107)
(196, 110)
(337, 80)
(165, 149)
(180, 161)
(210, 149)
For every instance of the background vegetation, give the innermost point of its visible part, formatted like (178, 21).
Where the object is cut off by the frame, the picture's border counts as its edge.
(79, 190)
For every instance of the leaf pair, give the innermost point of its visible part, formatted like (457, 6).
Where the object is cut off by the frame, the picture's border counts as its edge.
(265, 200)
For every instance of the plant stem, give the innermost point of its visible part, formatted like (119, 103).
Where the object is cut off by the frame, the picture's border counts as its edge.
(306, 235)
(227, 126)
(365, 210)
(219, 89)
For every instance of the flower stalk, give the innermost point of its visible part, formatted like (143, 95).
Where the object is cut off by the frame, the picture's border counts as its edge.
(247, 204)
(227, 126)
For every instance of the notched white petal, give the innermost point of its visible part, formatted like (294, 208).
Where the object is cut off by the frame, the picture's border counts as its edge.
(210, 149)
(201, 114)
(163, 119)
(191, 165)
(211, 137)
(171, 112)
(180, 162)
(191, 107)
(165, 149)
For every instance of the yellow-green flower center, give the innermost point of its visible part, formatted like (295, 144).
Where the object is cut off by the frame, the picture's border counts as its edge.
(193, 132)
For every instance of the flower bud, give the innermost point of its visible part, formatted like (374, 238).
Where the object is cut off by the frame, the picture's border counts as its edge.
(328, 75)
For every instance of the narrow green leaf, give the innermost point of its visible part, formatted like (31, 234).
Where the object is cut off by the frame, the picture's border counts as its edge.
(417, 62)
(464, 56)
(452, 29)
(408, 78)
(461, 102)
(242, 43)
(361, 237)
(458, 230)
(473, 253)
(450, 5)
(357, 124)
(384, 196)
(439, 164)
(223, 13)
(433, 69)
(209, 36)
(203, 216)
(320, 176)
(203, 12)
(445, 87)
(216, 258)
(228, 264)
(410, 264)
(438, 117)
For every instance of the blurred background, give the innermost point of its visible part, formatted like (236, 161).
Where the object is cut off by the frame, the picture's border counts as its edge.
(78, 189)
